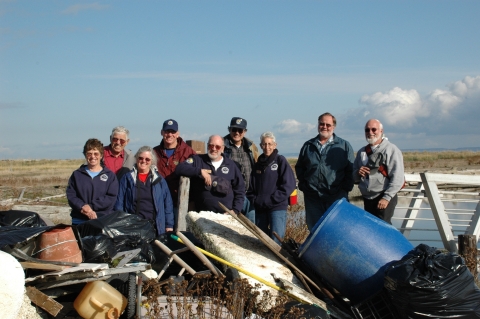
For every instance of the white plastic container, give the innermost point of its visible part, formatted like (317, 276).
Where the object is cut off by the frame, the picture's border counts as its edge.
(99, 300)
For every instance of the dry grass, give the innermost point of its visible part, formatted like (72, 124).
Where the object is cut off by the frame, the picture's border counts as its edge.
(21, 173)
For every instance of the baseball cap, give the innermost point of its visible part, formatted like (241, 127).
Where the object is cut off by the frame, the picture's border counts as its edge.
(238, 122)
(170, 125)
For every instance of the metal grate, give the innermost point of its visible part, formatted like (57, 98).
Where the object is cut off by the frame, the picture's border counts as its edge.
(376, 307)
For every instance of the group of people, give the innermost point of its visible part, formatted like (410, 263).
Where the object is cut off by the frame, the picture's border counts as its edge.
(235, 174)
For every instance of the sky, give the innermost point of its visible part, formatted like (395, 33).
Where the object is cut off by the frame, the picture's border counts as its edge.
(73, 70)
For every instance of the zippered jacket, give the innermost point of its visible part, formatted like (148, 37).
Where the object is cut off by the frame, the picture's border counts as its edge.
(391, 157)
(166, 165)
(270, 187)
(328, 174)
(162, 200)
(227, 187)
(99, 192)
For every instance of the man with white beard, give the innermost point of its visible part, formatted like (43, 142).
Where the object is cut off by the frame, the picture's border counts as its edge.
(378, 170)
(214, 178)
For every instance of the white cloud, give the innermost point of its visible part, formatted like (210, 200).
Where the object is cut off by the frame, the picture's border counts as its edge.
(291, 126)
(76, 8)
(436, 116)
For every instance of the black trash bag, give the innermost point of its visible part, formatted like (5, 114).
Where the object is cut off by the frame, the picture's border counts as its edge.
(101, 248)
(98, 249)
(21, 218)
(13, 236)
(125, 243)
(117, 224)
(427, 283)
(187, 256)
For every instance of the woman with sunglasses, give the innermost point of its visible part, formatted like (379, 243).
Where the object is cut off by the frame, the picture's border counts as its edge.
(271, 183)
(145, 193)
(92, 189)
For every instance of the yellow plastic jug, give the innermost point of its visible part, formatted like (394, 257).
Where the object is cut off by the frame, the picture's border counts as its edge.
(99, 300)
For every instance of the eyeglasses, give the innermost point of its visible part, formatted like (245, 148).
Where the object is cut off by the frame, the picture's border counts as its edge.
(169, 132)
(373, 129)
(213, 146)
(93, 154)
(115, 140)
(146, 159)
(325, 124)
(267, 144)
(237, 130)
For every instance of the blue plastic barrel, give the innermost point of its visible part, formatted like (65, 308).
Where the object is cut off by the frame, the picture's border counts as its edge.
(350, 249)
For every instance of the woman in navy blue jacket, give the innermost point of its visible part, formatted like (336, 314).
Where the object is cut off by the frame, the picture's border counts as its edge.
(144, 192)
(92, 188)
(272, 181)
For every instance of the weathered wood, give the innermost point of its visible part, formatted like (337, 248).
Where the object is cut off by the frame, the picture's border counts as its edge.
(183, 199)
(438, 210)
(36, 265)
(467, 248)
(43, 301)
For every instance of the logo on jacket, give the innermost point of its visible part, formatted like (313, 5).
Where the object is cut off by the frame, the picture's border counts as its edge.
(104, 177)
(274, 167)
(189, 160)
(175, 163)
(225, 170)
(214, 184)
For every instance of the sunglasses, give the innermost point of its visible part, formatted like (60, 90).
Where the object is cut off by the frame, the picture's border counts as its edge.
(146, 159)
(213, 146)
(115, 140)
(325, 124)
(373, 129)
(237, 130)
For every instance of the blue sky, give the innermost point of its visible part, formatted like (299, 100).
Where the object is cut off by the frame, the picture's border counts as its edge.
(72, 70)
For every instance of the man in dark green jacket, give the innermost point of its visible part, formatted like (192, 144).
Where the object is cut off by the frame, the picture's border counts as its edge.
(324, 170)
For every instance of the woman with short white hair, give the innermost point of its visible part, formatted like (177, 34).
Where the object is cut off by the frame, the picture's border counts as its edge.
(144, 192)
(271, 183)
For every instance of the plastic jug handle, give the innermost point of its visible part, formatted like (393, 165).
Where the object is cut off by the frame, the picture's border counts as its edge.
(98, 304)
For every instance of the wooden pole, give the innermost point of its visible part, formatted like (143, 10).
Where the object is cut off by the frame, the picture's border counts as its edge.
(183, 198)
(467, 248)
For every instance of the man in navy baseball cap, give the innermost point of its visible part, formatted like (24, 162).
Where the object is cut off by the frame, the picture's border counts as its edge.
(244, 152)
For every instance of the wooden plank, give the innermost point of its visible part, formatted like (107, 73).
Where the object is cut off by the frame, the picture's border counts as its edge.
(43, 301)
(452, 178)
(412, 211)
(474, 228)
(183, 199)
(36, 265)
(438, 210)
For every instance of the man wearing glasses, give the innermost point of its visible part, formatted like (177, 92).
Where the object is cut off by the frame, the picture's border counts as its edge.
(118, 159)
(245, 153)
(214, 178)
(171, 151)
(324, 169)
(378, 170)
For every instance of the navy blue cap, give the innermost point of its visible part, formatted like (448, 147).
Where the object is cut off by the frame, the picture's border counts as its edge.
(238, 122)
(170, 125)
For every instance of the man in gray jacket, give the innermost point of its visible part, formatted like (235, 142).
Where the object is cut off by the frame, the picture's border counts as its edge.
(378, 170)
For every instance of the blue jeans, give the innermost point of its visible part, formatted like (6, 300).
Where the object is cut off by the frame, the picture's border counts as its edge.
(277, 220)
(316, 207)
(248, 210)
(78, 221)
